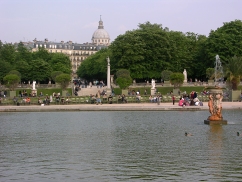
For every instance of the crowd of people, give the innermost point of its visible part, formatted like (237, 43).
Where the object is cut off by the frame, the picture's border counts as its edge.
(190, 100)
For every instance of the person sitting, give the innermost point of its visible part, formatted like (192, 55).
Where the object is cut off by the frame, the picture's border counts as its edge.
(39, 101)
(15, 100)
(181, 102)
(92, 99)
(28, 100)
(138, 98)
(24, 100)
(119, 98)
(105, 97)
(67, 100)
(124, 99)
(62, 100)
(110, 99)
(151, 98)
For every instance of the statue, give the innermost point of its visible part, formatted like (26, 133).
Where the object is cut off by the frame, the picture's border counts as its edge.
(185, 75)
(215, 106)
(153, 84)
(34, 82)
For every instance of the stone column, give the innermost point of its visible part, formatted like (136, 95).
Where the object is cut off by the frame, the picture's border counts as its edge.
(108, 77)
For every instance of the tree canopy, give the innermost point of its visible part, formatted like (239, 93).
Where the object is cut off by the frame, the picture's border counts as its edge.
(31, 65)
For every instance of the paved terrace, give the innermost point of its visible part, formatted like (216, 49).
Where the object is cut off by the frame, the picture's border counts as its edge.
(116, 107)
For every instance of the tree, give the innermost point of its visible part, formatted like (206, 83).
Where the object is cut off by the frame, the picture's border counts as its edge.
(177, 79)
(54, 74)
(43, 54)
(95, 66)
(63, 80)
(234, 71)
(165, 75)
(24, 68)
(5, 67)
(15, 72)
(144, 51)
(226, 41)
(40, 70)
(11, 81)
(22, 54)
(210, 73)
(7, 53)
(60, 62)
(123, 78)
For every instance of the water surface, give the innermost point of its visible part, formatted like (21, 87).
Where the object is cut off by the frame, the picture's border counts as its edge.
(119, 146)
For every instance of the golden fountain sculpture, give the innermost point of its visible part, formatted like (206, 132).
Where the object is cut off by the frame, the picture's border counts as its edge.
(215, 106)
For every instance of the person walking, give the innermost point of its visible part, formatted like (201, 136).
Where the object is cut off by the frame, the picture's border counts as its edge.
(98, 98)
(173, 99)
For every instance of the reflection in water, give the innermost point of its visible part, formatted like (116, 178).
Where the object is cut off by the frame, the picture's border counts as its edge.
(215, 148)
(118, 146)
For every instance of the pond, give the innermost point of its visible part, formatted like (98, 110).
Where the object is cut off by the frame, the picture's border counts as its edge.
(119, 146)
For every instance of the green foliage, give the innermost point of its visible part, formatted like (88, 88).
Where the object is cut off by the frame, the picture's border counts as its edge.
(176, 79)
(22, 54)
(95, 66)
(210, 73)
(5, 67)
(63, 80)
(24, 68)
(43, 54)
(60, 62)
(122, 73)
(124, 82)
(7, 53)
(123, 78)
(11, 81)
(143, 51)
(165, 75)
(234, 71)
(15, 72)
(226, 41)
(54, 74)
(40, 70)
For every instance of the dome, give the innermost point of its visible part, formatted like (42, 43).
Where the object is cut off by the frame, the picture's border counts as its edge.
(101, 36)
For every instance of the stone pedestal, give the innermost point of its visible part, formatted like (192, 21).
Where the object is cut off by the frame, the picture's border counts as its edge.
(34, 92)
(108, 91)
(218, 122)
(152, 91)
(12, 94)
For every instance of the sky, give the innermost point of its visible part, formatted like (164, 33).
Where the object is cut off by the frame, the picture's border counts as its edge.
(77, 20)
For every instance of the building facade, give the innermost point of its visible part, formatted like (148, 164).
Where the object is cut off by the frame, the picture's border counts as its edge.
(77, 52)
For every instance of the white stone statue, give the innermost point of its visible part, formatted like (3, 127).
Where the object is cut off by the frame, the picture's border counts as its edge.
(153, 83)
(185, 75)
(34, 82)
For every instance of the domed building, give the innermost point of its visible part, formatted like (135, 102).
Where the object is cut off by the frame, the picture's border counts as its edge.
(101, 36)
(77, 52)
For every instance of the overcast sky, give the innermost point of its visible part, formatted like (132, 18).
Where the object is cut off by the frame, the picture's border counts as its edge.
(76, 20)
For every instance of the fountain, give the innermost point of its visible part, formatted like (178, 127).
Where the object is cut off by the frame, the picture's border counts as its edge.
(215, 106)
(216, 96)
